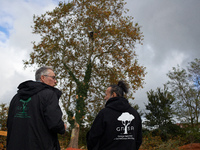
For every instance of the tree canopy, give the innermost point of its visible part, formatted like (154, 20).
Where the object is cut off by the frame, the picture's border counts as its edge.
(185, 86)
(160, 107)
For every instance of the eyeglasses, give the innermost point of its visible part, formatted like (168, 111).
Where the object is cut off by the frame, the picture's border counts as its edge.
(53, 77)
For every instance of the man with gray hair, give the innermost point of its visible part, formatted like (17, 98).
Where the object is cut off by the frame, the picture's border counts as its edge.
(35, 117)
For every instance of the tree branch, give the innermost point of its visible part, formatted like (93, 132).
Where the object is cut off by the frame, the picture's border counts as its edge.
(71, 73)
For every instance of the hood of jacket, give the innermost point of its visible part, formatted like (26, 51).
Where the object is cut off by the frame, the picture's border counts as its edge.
(30, 88)
(118, 103)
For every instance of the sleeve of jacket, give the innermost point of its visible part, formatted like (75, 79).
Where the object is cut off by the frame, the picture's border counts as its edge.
(53, 114)
(139, 133)
(95, 133)
(10, 112)
(10, 118)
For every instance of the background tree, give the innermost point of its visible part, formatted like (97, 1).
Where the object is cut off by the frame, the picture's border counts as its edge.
(185, 85)
(194, 76)
(3, 121)
(90, 45)
(160, 110)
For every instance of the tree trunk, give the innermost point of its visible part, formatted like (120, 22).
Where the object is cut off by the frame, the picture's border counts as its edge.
(74, 136)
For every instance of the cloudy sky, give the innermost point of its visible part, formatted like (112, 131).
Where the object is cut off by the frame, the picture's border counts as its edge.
(170, 28)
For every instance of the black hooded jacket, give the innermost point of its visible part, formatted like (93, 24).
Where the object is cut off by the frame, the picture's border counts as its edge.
(34, 118)
(116, 127)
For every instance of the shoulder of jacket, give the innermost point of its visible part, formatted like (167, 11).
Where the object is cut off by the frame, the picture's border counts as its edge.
(104, 111)
(134, 111)
(48, 90)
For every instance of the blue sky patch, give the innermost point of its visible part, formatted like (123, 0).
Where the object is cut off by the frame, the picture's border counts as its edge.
(4, 30)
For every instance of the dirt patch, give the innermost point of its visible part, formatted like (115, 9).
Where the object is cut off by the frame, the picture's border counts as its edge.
(73, 149)
(192, 146)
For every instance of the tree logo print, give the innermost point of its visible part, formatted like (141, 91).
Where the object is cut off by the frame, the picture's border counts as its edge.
(23, 109)
(126, 119)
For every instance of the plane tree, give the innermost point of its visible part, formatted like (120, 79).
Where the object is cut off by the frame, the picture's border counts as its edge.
(90, 44)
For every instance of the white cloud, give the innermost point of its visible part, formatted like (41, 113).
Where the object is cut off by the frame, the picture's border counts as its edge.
(171, 37)
(17, 18)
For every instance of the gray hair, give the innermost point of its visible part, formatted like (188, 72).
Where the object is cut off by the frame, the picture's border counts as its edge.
(42, 71)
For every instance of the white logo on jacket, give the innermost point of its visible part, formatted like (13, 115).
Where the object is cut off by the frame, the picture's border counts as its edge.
(126, 119)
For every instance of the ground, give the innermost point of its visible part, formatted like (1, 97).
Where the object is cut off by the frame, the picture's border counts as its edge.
(73, 149)
(193, 146)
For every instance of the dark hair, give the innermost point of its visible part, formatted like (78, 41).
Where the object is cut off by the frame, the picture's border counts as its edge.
(119, 89)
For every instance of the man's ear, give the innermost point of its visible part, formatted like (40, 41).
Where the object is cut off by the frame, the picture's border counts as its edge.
(42, 78)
